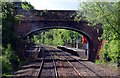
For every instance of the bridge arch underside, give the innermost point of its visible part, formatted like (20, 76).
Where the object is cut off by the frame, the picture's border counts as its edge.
(89, 32)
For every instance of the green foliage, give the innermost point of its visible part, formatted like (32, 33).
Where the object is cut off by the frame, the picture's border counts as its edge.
(26, 6)
(56, 37)
(111, 52)
(106, 13)
(9, 57)
(9, 60)
(104, 52)
(101, 12)
(7, 66)
(114, 51)
(8, 23)
(99, 62)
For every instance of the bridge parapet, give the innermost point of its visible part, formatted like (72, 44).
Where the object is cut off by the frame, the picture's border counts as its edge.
(50, 15)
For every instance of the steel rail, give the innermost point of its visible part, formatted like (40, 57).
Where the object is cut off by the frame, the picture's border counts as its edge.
(84, 65)
(81, 75)
(56, 73)
(41, 65)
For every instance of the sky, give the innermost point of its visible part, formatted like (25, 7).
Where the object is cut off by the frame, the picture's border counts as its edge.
(54, 4)
(60, 4)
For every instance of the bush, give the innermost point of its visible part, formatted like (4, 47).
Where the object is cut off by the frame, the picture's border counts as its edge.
(111, 52)
(104, 52)
(6, 65)
(99, 62)
(10, 60)
(114, 51)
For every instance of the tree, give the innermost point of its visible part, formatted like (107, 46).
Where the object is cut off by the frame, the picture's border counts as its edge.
(106, 13)
(56, 37)
(9, 57)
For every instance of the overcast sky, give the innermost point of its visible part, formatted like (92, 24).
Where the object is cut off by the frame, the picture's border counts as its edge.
(61, 4)
(54, 4)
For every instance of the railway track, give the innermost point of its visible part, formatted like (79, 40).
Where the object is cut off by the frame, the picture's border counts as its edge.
(90, 70)
(55, 55)
(56, 73)
(49, 64)
(80, 67)
(53, 61)
(79, 74)
(80, 64)
(41, 65)
(64, 54)
(56, 63)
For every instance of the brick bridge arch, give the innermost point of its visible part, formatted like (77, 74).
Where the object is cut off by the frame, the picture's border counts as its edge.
(34, 20)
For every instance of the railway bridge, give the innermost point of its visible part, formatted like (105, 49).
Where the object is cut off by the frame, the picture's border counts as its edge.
(37, 20)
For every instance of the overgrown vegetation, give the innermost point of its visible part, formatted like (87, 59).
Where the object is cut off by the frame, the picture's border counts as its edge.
(10, 58)
(106, 13)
